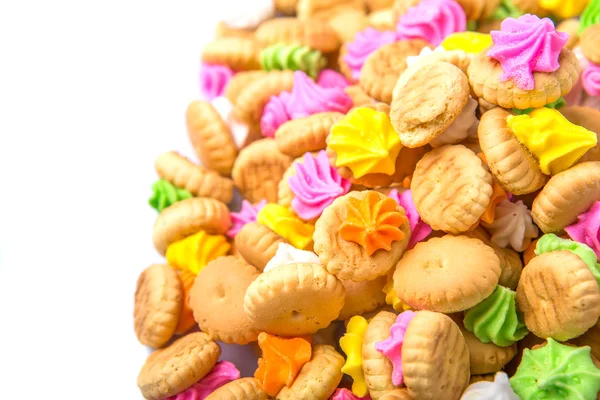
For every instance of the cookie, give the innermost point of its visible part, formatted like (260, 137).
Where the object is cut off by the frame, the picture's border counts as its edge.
(238, 53)
(325, 9)
(451, 188)
(158, 304)
(511, 163)
(348, 216)
(286, 7)
(224, 31)
(347, 22)
(383, 20)
(401, 6)
(476, 10)
(217, 299)
(303, 135)
(558, 296)
(318, 378)
(458, 58)
(362, 297)
(314, 33)
(486, 358)
(426, 105)
(397, 394)
(258, 170)
(240, 389)
(376, 367)
(589, 43)
(590, 338)
(385, 65)
(257, 244)
(187, 217)
(447, 274)
(199, 181)
(565, 196)
(570, 26)
(239, 81)
(358, 96)
(285, 195)
(173, 369)
(295, 299)
(374, 5)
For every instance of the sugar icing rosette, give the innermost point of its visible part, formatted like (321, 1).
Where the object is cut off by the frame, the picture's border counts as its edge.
(287, 254)
(499, 389)
(392, 346)
(432, 20)
(587, 228)
(329, 78)
(365, 43)
(246, 215)
(223, 372)
(591, 79)
(213, 79)
(512, 225)
(419, 229)
(249, 14)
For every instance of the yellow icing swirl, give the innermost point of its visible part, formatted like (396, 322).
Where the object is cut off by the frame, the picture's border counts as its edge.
(194, 252)
(392, 298)
(351, 344)
(365, 141)
(549, 136)
(285, 223)
(469, 42)
(564, 8)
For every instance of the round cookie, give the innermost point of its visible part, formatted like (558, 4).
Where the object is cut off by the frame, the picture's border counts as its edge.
(238, 53)
(397, 394)
(217, 300)
(173, 369)
(294, 299)
(314, 33)
(239, 81)
(451, 188)
(158, 303)
(589, 43)
(257, 244)
(358, 96)
(447, 274)
(377, 368)
(487, 358)
(362, 297)
(303, 135)
(240, 389)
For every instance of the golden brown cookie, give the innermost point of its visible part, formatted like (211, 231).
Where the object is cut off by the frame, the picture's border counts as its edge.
(238, 53)
(173, 369)
(294, 299)
(287, 7)
(434, 337)
(451, 188)
(198, 180)
(210, 137)
(284, 191)
(223, 31)
(349, 260)
(590, 338)
(530, 7)
(384, 66)
(363, 297)
(383, 20)
(589, 43)
(239, 81)
(401, 6)
(566, 195)
(158, 302)
(187, 217)
(476, 10)
(558, 296)
(447, 274)
(217, 299)
(258, 170)
(377, 368)
(347, 22)
(326, 9)
(486, 358)
(484, 77)
(257, 244)
(314, 33)
(303, 135)
(570, 26)
(358, 96)
(511, 163)
(240, 389)
(589, 118)
(375, 5)
(458, 58)
(318, 378)
(426, 105)
(481, 378)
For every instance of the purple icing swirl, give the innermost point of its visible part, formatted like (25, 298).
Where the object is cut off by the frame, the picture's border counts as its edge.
(419, 230)
(246, 215)
(222, 373)
(274, 115)
(432, 21)
(213, 79)
(591, 79)
(365, 43)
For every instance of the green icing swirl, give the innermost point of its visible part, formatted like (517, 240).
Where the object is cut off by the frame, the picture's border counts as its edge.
(550, 242)
(496, 319)
(590, 16)
(556, 371)
(506, 9)
(281, 57)
(166, 194)
(555, 104)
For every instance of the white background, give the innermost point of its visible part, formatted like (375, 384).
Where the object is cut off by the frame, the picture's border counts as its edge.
(90, 94)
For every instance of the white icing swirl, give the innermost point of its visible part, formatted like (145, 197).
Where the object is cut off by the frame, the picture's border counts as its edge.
(288, 254)
(459, 129)
(247, 14)
(239, 131)
(512, 226)
(500, 389)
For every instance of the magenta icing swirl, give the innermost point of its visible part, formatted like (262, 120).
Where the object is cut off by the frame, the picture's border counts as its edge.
(308, 98)
(587, 228)
(246, 215)
(526, 45)
(345, 394)
(329, 78)
(392, 346)
(274, 115)
(432, 20)
(591, 79)
(364, 43)
(315, 185)
(419, 229)
(223, 372)
(213, 79)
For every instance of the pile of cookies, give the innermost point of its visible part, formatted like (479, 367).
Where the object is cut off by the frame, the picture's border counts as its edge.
(398, 199)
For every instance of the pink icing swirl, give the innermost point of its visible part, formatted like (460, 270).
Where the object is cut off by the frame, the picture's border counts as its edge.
(587, 228)
(213, 79)
(345, 394)
(591, 79)
(392, 346)
(274, 115)
(432, 20)
(365, 42)
(419, 230)
(223, 372)
(246, 215)
(315, 185)
(329, 78)
(526, 45)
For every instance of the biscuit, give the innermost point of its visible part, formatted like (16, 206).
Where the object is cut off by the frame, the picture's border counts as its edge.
(238, 53)
(284, 191)
(187, 217)
(458, 58)
(383, 20)
(428, 103)
(589, 43)
(240, 389)
(239, 81)
(199, 181)
(451, 188)
(478, 9)
(217, 299)
(570, 26)
(447, 274)
(258, 170)
(377, 368)
(590, 338)
(325, 9)
(347, 22)
(287, 7)
(314, 33)
(210, 137)
(224, 31)
(401, 6)
(158, 303)
(295, 299)
(511, 163)
(362, 297)
(173, 369)
(358, 96)
(397, 394)
(486, 358)
(565, 196)
(257, 244)
(374, 5)
(303, 135)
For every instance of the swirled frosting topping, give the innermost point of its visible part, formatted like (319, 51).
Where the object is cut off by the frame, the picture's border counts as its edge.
(499, 389)
(223, 372)
(351, 344)
(292, 57)
(213, 79)
(365, 42)
(287, 254)
(329, 78)
(432, 20)
(512, 225)
(345, 394)
(247, 214)
(563, 8)
(469, 42)
(590, 16)
(392, 346)
(591, 79)
(587, 228)
(195, 251)
(285, 223)
(165, 194)
(419, 229)
(249, 14)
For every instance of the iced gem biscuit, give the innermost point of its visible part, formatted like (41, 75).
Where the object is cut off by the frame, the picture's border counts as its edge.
(222, 373)
(351, 344)
(195, 251)
(432, 20)
(587, 228)
(485, 358)
(512, 225)
(313, 33)
(257, 244)
(240, 389)
(213, 79)
(237, 53)
(354, 54)
(287, 254)
(303, 135)
(165, 194)
(247, 214)
(499, 389)
(362, 297)
(292, 57)
(286, 224)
